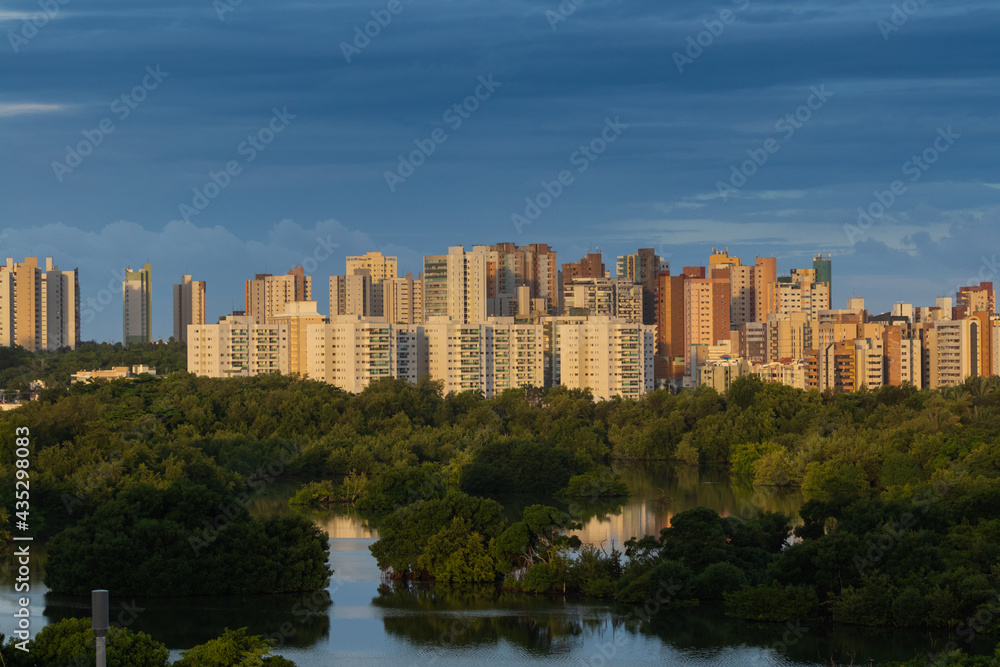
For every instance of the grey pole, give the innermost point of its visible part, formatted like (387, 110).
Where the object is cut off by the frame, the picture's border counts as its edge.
(99, 621)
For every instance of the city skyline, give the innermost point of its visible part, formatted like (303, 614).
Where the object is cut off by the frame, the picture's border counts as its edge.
(101, 304)
(660, 126)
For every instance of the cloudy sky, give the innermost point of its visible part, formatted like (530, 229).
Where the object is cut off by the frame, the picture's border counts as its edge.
(115, 116)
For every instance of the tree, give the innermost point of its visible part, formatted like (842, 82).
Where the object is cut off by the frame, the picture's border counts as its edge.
(536, 537)
(71, 641)
(235, 648)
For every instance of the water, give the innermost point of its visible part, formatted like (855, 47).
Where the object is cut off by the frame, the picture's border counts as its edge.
(364, 621)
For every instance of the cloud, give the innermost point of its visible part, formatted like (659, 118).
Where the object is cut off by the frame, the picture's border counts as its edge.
(26, 108)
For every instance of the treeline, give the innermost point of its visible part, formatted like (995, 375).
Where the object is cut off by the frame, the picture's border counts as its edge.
(71, 642)
(901, 528)
(18, 367)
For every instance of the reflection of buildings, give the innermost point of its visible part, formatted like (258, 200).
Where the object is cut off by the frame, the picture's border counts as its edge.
(345, 527)
(636, 519)
(646, 516)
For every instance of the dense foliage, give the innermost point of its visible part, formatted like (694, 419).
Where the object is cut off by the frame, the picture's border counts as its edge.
(901, 528)
(71, 642)
(18, 367)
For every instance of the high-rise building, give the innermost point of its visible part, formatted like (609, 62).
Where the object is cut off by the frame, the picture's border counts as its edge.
(296, 318)
(954, 350)
(455, 285)
(403, 300)
(266, 295)
(975, 298)
(352, 294)
(379, 268)
(823, 270)
(741, 283)
(644, 267)
(612, 297)
(608, 356)
(510, 266)
(765, 282)
(706, 314)
(591, 266)
(137, 306)
(39, 308)
(189, 306)
(237, 347)
(351, 352)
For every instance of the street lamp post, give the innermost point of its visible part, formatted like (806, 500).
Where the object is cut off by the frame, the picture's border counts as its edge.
(99, 618)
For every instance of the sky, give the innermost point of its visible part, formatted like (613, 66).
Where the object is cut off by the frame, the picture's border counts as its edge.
(228, 138)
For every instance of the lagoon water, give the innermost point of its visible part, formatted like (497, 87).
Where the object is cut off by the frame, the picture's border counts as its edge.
(366, 621)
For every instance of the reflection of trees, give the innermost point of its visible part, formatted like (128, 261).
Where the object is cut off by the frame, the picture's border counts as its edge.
(291, 620)
(468, 616)
(709, 631)
(442, 617)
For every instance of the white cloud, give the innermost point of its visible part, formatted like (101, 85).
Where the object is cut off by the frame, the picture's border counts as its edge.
(18, 109)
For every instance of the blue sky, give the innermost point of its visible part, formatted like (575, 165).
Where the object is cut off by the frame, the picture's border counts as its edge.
(208, 85)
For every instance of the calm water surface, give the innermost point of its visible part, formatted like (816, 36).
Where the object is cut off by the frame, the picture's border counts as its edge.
(360, 620)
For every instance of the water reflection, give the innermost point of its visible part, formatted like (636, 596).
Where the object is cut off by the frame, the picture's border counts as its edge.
(658, 491)
(472, 616)
(362, 620)
(290, 620)
(436, 618)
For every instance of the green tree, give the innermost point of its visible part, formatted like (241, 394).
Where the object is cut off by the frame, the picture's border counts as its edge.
(235, 648)
(71, 642)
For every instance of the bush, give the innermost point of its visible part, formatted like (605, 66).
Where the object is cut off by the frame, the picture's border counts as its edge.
(71, 642)
(772, 603)
(718, 579)
(598, 484)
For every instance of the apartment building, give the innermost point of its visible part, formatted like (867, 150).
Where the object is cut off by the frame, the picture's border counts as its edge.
(39, 307)
(612, 297)
(189, 306)
(455, 285)
(378, 267)
(590, 266)
(266, 295)
(402, 300)
(237, 346)
(137, 306)
(706, 314)
(296, 318)
(351, 352)
(353, 295)
(644, 268)
(608, 356)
